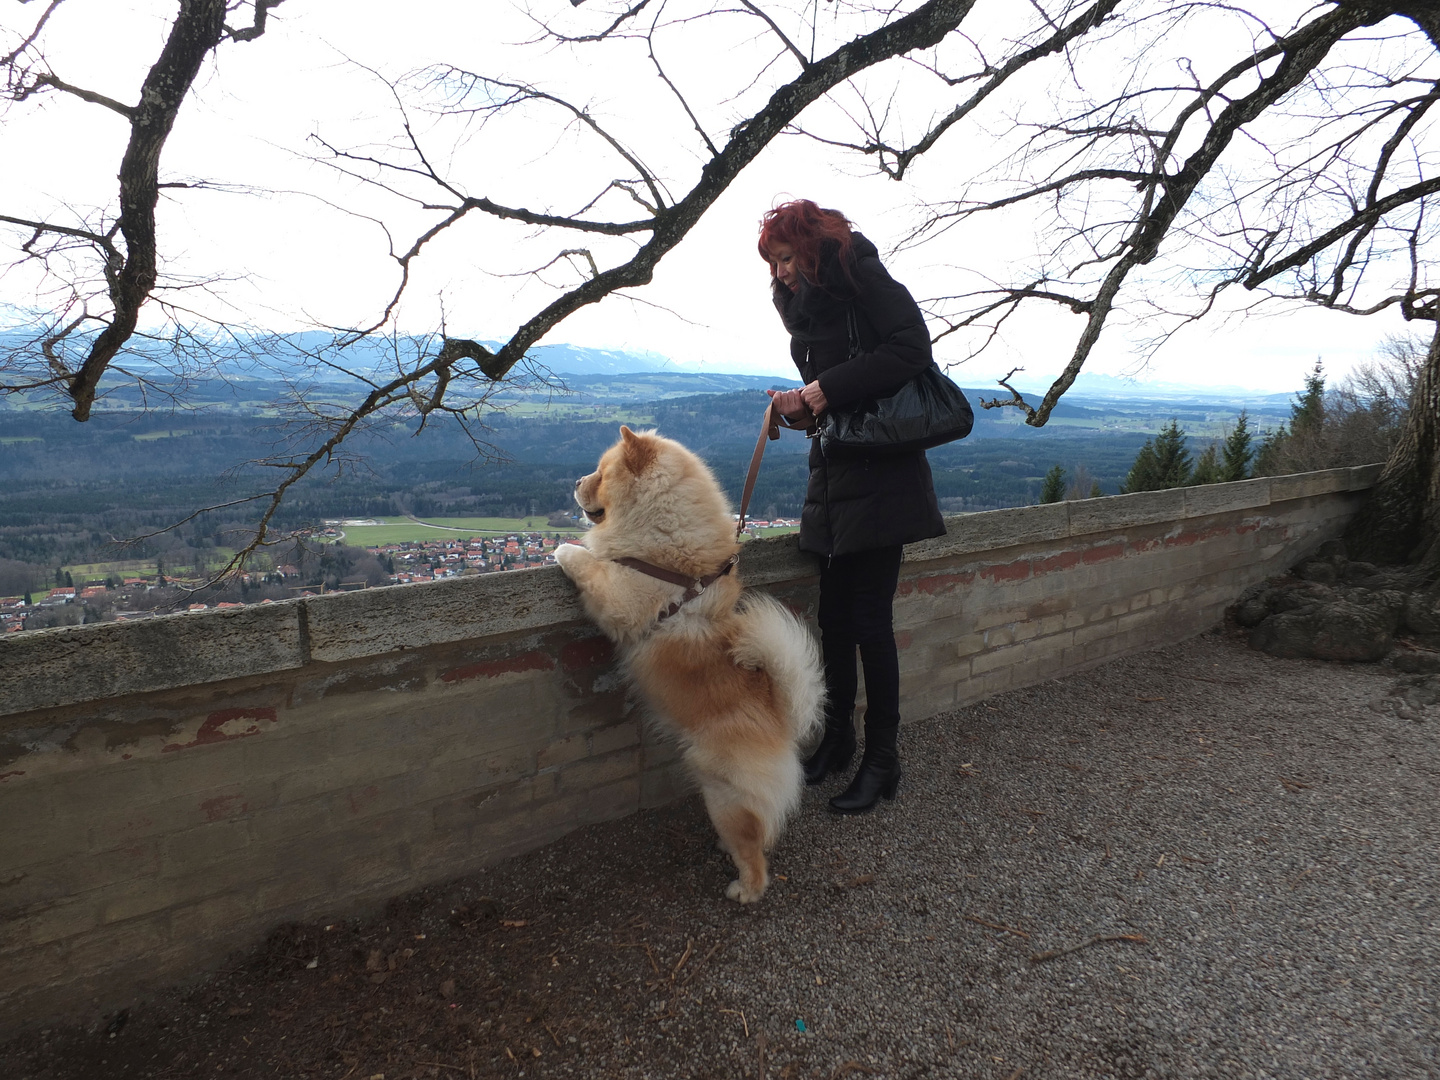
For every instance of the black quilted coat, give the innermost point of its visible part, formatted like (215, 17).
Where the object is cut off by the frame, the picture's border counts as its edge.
(853, 502)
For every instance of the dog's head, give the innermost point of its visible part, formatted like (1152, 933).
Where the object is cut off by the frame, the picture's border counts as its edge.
(606, 493)
(652, 498)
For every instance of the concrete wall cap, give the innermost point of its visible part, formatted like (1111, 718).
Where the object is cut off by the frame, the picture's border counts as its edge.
(994, 530)
(1206, 499)
(1364, 477)
(371, 622)
(71, 664)
(1304, 485)
(1124, 511)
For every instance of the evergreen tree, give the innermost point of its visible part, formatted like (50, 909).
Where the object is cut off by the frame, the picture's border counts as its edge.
(1095, 492)
(1236, 454)
(1207, 468)
(1271, 452)
(1144, 474)
(1053, 489)
(1171, 456)
(1307, 412)
(1163, 462)
(69, 581)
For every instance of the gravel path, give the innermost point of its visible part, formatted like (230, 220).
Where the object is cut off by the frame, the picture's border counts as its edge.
(1200, 861)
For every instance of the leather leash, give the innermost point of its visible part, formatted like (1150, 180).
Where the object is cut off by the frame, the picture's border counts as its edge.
(769, 429)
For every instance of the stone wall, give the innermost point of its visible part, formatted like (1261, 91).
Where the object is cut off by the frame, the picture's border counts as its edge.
(172, 789)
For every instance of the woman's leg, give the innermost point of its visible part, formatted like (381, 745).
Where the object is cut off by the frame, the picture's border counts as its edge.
(837, 647)
(873, 578)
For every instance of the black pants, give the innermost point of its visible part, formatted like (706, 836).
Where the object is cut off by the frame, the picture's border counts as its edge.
(857, 596)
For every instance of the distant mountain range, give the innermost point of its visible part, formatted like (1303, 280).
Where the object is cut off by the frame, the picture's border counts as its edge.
(251, 372)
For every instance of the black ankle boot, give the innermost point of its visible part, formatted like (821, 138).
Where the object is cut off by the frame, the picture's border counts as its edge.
(878, 777)
(834, 752)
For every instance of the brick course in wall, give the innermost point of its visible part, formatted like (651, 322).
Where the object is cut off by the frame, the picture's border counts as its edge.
(173, 789)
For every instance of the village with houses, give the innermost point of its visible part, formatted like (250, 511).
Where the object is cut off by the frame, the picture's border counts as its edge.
(116, 598)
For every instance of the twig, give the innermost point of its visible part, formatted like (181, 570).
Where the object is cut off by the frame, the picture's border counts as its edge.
(1139, 939)
(997, 926)
(701, 963)
(743, 1022)
(689, 948)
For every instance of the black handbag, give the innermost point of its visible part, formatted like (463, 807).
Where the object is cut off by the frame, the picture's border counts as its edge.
(927, 411)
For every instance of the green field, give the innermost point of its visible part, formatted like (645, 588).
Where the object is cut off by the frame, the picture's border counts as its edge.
(85, 573)
(399, 530)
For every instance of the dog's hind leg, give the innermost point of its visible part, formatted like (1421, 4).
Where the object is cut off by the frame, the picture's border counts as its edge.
(742, 834)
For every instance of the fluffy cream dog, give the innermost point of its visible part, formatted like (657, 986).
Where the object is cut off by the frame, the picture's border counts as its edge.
(736, 678)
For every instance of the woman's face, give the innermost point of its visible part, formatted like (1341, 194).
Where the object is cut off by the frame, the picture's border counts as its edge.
(782, 258)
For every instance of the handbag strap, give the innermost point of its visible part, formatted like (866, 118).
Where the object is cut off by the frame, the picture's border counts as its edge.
(852, 331)
(769, 429)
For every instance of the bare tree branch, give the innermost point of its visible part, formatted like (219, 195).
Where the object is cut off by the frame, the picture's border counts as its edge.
(800, 57)
(29, 40)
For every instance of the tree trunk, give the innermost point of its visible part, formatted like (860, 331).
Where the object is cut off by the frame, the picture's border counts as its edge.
(1400, 522)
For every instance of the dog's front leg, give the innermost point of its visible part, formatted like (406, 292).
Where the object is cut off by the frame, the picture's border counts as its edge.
(615, 605)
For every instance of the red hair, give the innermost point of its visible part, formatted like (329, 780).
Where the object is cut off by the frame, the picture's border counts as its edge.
(804, 226)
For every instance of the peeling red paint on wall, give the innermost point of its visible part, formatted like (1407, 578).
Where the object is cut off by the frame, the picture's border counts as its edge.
(588, 652)
(1103, 553)
(488, 669)
(1066, 560)
(1015, 571)
(213, 729)
(933, 584)
(1197, 536)
(223, 806)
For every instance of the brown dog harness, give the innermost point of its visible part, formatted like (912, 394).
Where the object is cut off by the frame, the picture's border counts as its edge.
(693, 586)
(769, 429)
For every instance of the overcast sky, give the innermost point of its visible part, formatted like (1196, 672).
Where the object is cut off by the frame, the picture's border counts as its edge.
(299, 245)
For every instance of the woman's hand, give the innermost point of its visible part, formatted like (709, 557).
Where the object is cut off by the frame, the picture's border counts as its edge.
(790, 404)
(814, 398)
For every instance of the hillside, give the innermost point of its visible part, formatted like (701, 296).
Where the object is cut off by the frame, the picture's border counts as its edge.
(68, 490)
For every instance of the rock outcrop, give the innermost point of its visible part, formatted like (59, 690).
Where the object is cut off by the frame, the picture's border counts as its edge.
(1331, 608)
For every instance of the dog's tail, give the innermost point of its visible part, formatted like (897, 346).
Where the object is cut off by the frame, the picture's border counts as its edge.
(773, 639)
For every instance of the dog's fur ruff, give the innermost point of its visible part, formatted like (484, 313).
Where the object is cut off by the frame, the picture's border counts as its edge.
(736, 678)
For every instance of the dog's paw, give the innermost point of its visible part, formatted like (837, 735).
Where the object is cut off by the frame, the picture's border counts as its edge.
(567, 555)
(737, 891)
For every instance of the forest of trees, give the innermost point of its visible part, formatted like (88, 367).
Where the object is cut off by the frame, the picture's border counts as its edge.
(66, 497)
(1358, 422)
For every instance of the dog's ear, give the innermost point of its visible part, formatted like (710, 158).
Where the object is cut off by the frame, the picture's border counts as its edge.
(638, 452)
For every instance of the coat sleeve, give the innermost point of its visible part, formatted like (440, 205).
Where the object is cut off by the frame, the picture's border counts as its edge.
(902, 348)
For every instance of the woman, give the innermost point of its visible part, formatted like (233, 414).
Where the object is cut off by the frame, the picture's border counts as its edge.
(859, 509)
